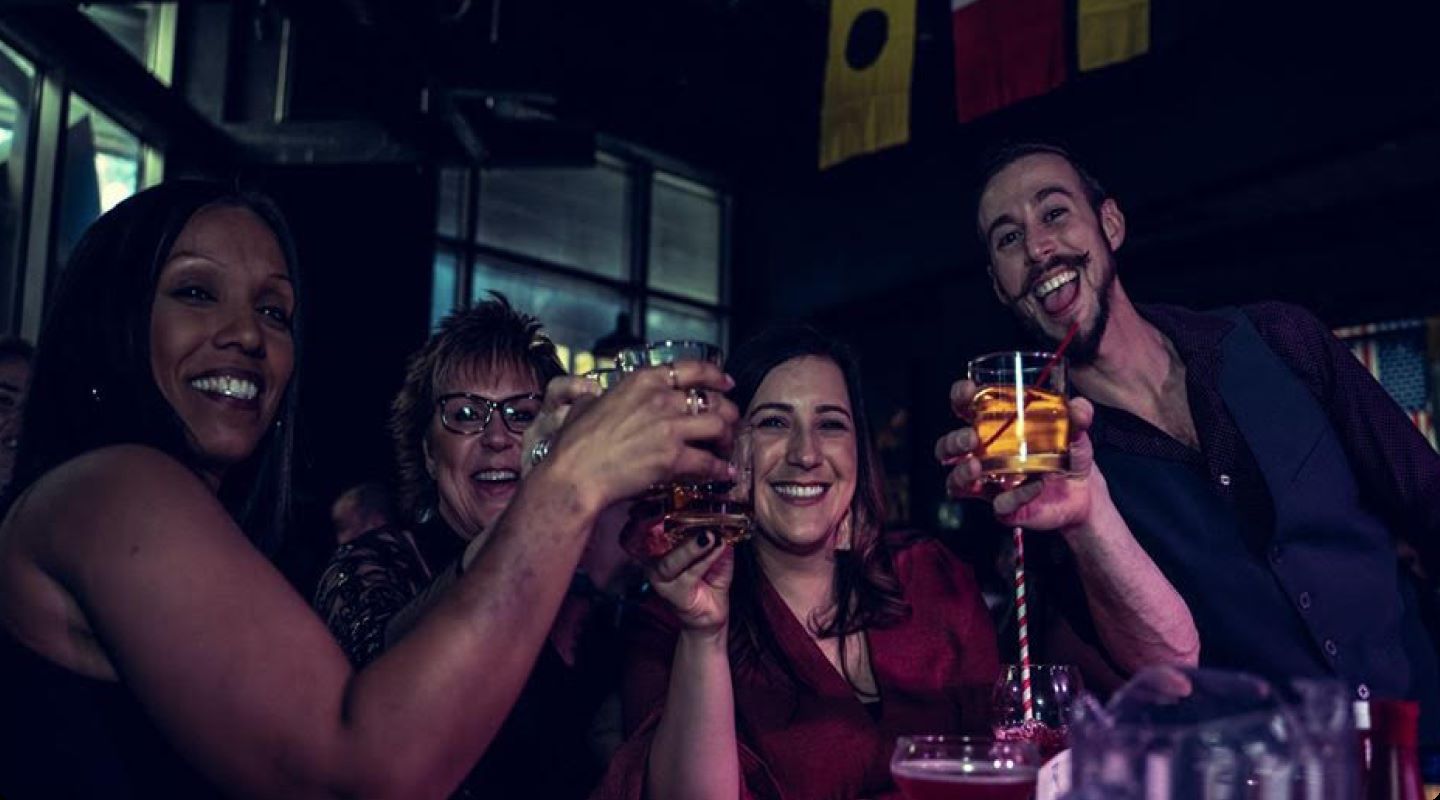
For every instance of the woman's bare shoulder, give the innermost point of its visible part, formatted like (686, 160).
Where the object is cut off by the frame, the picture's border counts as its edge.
(123, 472)
(109, 489)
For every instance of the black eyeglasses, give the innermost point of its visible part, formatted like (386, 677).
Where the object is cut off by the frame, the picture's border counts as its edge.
(468, 414)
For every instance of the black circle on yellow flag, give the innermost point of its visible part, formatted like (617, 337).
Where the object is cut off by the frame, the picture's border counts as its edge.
(866, 41)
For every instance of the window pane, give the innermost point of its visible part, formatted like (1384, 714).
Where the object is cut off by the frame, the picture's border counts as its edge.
(576, 217)
(575, 313)
(666, 320)
(685, 239)
(17, 80)
(442, 286)
(102, 167)
(132, 25)
(450, 207)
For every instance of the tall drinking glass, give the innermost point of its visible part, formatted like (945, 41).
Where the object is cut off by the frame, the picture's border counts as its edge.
(688, 507)
(1020, 416)
(964, 768)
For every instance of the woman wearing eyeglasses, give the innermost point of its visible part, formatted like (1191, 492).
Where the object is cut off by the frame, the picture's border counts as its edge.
(456, 424)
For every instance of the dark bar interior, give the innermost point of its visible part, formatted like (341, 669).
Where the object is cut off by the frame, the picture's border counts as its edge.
(629, 172)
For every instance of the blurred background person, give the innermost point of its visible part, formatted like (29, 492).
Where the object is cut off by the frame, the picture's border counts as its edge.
(362, 507)
(16, 358)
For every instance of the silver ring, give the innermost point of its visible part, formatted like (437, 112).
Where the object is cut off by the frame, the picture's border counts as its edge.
(674, 379)
(538, 451)
(696, 402)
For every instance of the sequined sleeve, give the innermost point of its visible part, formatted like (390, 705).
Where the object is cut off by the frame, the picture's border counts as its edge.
(366, 583)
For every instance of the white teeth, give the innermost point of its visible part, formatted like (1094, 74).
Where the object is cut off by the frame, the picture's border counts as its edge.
(1055, 283)
(227, 386)
(798, 491)
(496, 475)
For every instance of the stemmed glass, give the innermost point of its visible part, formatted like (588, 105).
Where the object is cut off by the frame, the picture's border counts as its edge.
(964, 768)
(1055, 688)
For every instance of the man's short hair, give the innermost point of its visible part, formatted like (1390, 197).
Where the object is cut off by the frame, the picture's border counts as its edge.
(998, 158)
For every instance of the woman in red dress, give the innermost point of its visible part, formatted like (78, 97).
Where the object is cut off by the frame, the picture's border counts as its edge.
(786, 666)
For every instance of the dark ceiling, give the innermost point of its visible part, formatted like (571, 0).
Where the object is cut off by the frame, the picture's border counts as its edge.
(1256, 110)
(1276, 130)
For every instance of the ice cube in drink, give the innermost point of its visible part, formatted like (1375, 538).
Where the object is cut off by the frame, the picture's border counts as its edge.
(1020, 442)
(1048, 739)
(695, 508)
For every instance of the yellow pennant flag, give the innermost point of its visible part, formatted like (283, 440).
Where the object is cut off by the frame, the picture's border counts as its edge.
(866, 106)
(1111, 31)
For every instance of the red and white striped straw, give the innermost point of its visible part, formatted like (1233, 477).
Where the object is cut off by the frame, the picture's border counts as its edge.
(1027, 699)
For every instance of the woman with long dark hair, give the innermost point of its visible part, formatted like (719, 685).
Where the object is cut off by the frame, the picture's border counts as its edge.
(149, 647)
(786, 666)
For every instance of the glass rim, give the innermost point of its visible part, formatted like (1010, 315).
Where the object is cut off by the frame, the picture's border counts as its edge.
(679, 343)
(637, 356)
(947, 738)
(1045, 354)
(908, 742)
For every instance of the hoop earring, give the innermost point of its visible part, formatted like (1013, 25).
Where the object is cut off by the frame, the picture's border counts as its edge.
(845, 534)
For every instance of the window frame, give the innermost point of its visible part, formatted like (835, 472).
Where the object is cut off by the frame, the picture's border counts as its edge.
(54, 92)
(634, 287)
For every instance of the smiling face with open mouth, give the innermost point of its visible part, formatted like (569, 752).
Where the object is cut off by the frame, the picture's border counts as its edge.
(476, 475)
(804, 451)
(1051, 250)
(221, 350)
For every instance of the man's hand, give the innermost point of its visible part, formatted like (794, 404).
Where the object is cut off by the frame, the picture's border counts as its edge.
(1053, 501)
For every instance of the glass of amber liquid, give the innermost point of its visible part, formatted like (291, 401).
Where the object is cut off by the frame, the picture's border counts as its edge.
(1020, 416)
(690, 508)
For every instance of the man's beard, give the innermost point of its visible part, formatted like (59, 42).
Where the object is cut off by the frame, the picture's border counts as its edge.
(1085, 347)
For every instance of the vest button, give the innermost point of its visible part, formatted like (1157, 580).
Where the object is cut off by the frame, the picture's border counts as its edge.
(1275, 552)
(1305, 601)
(1330, 648)
(1362, 691)
(1224, 479)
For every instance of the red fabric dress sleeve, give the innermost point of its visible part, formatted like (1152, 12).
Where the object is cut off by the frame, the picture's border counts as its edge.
(937, 582)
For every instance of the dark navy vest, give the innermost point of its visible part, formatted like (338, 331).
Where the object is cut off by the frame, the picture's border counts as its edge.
(1325, 598)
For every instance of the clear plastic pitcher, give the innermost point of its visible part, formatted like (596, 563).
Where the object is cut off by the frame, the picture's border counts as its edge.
(1195, 734)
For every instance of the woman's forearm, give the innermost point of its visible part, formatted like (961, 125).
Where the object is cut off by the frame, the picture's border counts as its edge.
(694, 753)
(464, 663)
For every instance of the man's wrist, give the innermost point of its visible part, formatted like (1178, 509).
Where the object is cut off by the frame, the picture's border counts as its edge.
(1101, 515)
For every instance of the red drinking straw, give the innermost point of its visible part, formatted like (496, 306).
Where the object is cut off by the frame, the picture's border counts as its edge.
(1044, 373)
(1027, 697)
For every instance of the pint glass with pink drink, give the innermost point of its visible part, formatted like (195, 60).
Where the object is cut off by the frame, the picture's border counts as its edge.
(964, 768)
